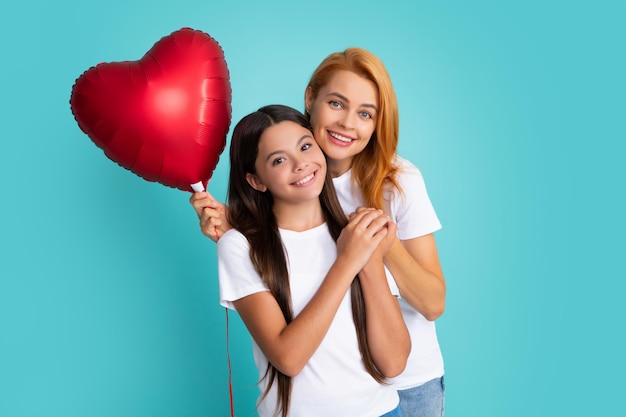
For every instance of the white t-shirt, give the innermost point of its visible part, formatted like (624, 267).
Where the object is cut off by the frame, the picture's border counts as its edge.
(334, 382)
(413, 212)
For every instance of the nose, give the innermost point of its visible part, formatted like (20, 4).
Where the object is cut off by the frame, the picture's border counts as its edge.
(347, 121)
(301, 164)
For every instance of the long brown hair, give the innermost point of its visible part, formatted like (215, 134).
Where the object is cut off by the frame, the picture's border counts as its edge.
(372, 168)
(250, 212)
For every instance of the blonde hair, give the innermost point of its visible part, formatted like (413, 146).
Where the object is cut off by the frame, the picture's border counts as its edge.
(373, 168)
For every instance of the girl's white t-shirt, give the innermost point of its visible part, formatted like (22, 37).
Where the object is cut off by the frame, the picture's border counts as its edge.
(415, 216)
(334, 382)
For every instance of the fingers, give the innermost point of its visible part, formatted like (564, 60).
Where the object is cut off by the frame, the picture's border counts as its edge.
(366, 229)
(211, 213)
(199, 201)
(361, 237)
(197, 196)
(386, 243)
(370, 222)
(211, 224)
(202, 200)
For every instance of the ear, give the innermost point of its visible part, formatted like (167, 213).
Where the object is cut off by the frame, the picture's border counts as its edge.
(255, 182)
(308, 99)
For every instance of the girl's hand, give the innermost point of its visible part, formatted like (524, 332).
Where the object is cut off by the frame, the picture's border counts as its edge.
(212, 215)
(387, 242)
(361, 237)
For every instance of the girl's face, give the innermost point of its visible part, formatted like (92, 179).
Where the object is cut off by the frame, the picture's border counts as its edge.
(343, 116)
(289, 164)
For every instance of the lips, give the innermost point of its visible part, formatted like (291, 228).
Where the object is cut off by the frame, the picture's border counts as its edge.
(339, 139)
(306, 180)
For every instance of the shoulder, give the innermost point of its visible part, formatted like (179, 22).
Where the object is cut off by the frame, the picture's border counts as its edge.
(232, 236)
(406, 167)
(237, 276)
(411, 208)
(232, 243)
(408, 176)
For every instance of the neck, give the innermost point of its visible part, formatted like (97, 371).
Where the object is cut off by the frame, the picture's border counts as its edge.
(338, 167)
(299, 217)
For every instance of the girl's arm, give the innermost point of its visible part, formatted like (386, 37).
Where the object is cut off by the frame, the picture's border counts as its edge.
(388, 338)
(415, 266)
(290, 346)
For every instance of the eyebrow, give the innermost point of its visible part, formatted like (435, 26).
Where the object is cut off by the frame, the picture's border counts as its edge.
(279, 151)
(344, 98)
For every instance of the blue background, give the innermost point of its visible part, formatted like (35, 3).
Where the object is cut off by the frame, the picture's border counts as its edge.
(514, 112)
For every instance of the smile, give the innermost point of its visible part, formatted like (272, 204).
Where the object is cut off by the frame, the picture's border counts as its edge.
(339, 137)
(305, 180)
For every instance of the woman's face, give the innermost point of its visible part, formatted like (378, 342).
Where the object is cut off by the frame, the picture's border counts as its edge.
(343, 116)
(289, 164)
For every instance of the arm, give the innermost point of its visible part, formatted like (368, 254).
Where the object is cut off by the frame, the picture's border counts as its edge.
(387, 335)
(212, 215)
(289, 346)
(415, 266)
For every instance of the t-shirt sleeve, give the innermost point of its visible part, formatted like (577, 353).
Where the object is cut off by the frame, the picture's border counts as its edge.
(413, 211)
(237, 275)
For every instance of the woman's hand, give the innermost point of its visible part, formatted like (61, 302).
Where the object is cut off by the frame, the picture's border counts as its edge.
(212, 215)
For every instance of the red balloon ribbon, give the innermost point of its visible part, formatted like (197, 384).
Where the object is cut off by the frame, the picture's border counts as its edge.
(164, 117)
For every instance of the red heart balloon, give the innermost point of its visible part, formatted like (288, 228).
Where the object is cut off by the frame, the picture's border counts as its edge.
(164, 117)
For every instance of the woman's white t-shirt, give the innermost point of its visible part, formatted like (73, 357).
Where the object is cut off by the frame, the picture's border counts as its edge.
(334, 382)
(413, 212)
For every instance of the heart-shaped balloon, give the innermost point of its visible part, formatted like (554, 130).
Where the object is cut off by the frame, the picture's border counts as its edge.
(164, 117)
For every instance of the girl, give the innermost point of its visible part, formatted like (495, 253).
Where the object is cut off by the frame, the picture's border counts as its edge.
(324, 341)
(351, 104)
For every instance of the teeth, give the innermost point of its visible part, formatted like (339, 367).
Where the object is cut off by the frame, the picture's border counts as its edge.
(340, 137)
(305, 179)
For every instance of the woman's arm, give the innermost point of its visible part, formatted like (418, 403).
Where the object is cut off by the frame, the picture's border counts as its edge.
(415, 266)
(290, 346)
(388, 337)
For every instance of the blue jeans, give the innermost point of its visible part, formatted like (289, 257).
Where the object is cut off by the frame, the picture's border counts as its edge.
(426, 400)
(396, 412)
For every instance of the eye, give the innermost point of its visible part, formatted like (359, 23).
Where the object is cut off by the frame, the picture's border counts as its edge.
(306, 147)
(278, 161)
(366, 115)
(335, 104)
